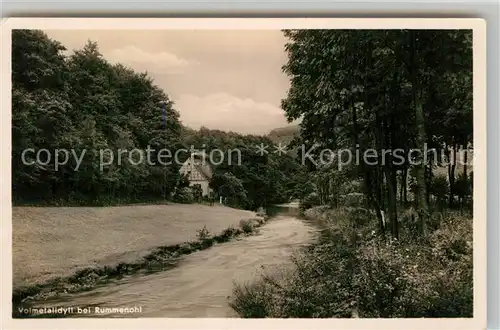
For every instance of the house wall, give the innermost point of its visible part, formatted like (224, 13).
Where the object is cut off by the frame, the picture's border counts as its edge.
(195, 176)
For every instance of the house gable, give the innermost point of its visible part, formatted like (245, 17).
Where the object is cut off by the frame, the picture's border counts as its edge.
(195, 170)
(192, 173)
(197, 173)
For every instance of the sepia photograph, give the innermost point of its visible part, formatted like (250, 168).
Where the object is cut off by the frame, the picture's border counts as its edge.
(281, 172)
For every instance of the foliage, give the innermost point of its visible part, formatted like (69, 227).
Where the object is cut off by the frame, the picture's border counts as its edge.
(439, 188)
(197, 192)
(380, 90)
(309, 201)
(184, 195)
(247, 179)
(463, 186)
(81, 103)
(227, 234)
(229, 186)
(203, 234)
(251, 301)
(247, 226)
(353, 271)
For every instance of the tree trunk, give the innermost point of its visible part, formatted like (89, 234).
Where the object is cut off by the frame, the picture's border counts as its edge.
(392, 180)
(465, 158)
(390, 176)
(401, 202)
(451, 175)
(421, 138)
(427, 183)
(405, 186)
(371, 176)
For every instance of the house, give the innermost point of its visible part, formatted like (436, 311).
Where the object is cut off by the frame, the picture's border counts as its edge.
(198, 170)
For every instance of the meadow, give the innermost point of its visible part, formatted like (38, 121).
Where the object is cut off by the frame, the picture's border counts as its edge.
(51, 242)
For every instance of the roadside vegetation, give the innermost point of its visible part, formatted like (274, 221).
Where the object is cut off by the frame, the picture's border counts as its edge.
(353, 272)
(397, 234)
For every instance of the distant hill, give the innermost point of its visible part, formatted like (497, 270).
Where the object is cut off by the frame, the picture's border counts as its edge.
(284, 134)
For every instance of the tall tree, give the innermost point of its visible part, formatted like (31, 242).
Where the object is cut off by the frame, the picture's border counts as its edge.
(377, 92)
(82, 103)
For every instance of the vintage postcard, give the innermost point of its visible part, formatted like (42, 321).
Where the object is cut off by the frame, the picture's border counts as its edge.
(244, 172)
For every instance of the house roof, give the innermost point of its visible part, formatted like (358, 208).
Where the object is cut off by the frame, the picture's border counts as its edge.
(205, 170)
(202, 164)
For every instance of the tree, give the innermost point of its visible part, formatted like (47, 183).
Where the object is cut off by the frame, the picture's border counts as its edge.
(40, 108)
(83, 103)
(378, 91)
(266, 179)
(228, 186)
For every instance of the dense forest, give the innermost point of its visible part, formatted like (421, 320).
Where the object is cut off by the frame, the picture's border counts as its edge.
(397, 225)
(82, 103)
(407, 90)
(260, 179)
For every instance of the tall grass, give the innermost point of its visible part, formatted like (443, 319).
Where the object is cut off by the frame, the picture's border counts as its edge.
(353, 272)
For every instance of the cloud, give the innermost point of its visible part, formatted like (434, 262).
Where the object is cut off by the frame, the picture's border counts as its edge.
(229, 113)
(138, 59)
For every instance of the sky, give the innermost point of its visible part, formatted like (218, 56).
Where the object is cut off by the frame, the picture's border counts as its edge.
(221, 79)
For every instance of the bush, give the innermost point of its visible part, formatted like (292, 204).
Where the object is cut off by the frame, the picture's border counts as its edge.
(439, 188)
(203, 234)
(226, 235)
(371, 276)
(251, 301)
(197, 192)
(301, 293)
(463, 189)
(229, 232)
(184, 195)
(309, 201)
(246, 226)
(359, 217)
(185, 248)
(353, 200)
(204, 237)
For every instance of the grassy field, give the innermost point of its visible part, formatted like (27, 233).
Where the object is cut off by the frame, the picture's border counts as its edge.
(51, 242)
